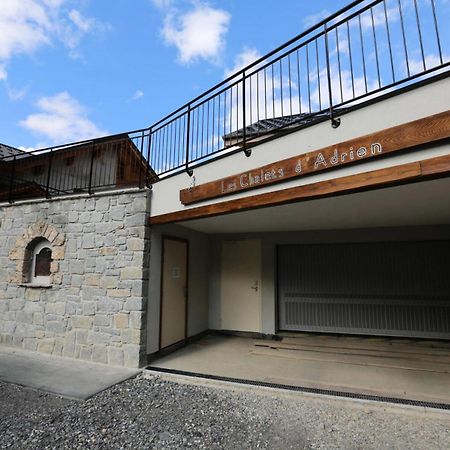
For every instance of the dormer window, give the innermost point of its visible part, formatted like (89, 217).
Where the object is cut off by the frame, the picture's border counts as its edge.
(40, 262)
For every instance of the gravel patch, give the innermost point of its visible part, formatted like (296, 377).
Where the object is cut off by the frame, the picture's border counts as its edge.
(159, 414)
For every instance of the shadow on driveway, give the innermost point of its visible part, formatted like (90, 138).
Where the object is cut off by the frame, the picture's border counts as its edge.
(67, 377)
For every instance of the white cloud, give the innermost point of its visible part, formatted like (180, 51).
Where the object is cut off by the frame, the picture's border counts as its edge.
(162, 4)
(243, 59)
(312, 19)
(24, 25)
(84, 24)
(17, 94)
(72, 33)
(3, 74)
(53, 3)
(27, 25)
(379, 17)
(28, 149)
(62, 119)
(137, 95)
(431, 61)
(197, 34)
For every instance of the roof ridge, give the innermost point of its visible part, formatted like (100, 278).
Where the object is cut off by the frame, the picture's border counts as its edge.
(10, 146)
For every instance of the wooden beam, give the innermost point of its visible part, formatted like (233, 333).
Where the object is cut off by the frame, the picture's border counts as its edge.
(374, 145)
(401, 174)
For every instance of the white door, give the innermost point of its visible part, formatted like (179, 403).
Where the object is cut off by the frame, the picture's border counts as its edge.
(241, 285)
(174, 291)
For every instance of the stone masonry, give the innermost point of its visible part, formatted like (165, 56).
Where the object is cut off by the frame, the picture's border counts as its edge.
(95, 305)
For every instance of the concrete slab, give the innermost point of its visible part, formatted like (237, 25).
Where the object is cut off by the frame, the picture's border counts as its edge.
(408, 369)
(67, 377)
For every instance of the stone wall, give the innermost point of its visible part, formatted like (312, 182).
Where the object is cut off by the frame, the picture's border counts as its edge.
(95, 305)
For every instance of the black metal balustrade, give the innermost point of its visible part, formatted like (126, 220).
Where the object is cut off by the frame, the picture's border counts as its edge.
(100, 164)
(366, 50)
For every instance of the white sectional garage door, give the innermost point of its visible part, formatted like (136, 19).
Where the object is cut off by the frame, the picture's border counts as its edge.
(391, 288)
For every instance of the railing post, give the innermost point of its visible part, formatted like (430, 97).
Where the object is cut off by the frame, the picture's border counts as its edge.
(247, 152)
(147, 176)
(189, 171)
(142, 156)
(334, 122)
(11, 183)
(91, 169)
(49, 172)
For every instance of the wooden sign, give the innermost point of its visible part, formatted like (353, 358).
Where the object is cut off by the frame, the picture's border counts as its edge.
(388, 141)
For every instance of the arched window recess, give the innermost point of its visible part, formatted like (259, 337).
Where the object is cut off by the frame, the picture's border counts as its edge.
(41, 258)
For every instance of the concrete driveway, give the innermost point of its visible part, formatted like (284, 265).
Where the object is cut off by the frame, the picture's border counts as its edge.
(66, 377)
(410, 369)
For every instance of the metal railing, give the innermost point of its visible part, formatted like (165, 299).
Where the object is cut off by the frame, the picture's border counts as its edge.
(100, 164)
(365, 50)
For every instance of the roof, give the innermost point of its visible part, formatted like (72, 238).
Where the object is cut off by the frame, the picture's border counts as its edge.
(34, 157)
(265, 126)
(7, 150)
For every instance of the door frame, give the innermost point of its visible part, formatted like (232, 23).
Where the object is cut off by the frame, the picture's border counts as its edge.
(165, 237)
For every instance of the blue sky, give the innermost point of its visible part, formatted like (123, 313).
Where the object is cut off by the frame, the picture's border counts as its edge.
(71, 70)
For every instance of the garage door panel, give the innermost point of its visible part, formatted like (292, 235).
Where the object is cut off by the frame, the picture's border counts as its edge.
(375, 288)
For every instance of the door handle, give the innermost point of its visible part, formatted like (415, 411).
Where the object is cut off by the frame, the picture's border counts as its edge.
(255, 287)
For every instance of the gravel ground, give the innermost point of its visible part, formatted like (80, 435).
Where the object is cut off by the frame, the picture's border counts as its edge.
(157, 413)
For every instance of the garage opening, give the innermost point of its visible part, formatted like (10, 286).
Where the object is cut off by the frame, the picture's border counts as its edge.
(388, 288)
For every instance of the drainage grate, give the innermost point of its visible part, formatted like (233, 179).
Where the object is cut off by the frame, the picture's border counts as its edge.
(376, 398)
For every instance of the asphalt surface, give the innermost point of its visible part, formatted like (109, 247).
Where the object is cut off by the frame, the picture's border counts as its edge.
(156, 413)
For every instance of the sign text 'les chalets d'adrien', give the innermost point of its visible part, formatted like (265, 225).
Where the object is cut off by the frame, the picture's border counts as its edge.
(284, 169)
(370, 146)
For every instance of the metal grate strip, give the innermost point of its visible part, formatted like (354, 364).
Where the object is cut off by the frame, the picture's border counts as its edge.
(354, 395)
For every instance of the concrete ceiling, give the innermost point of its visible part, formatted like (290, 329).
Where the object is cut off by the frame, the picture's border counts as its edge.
(425, 203)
